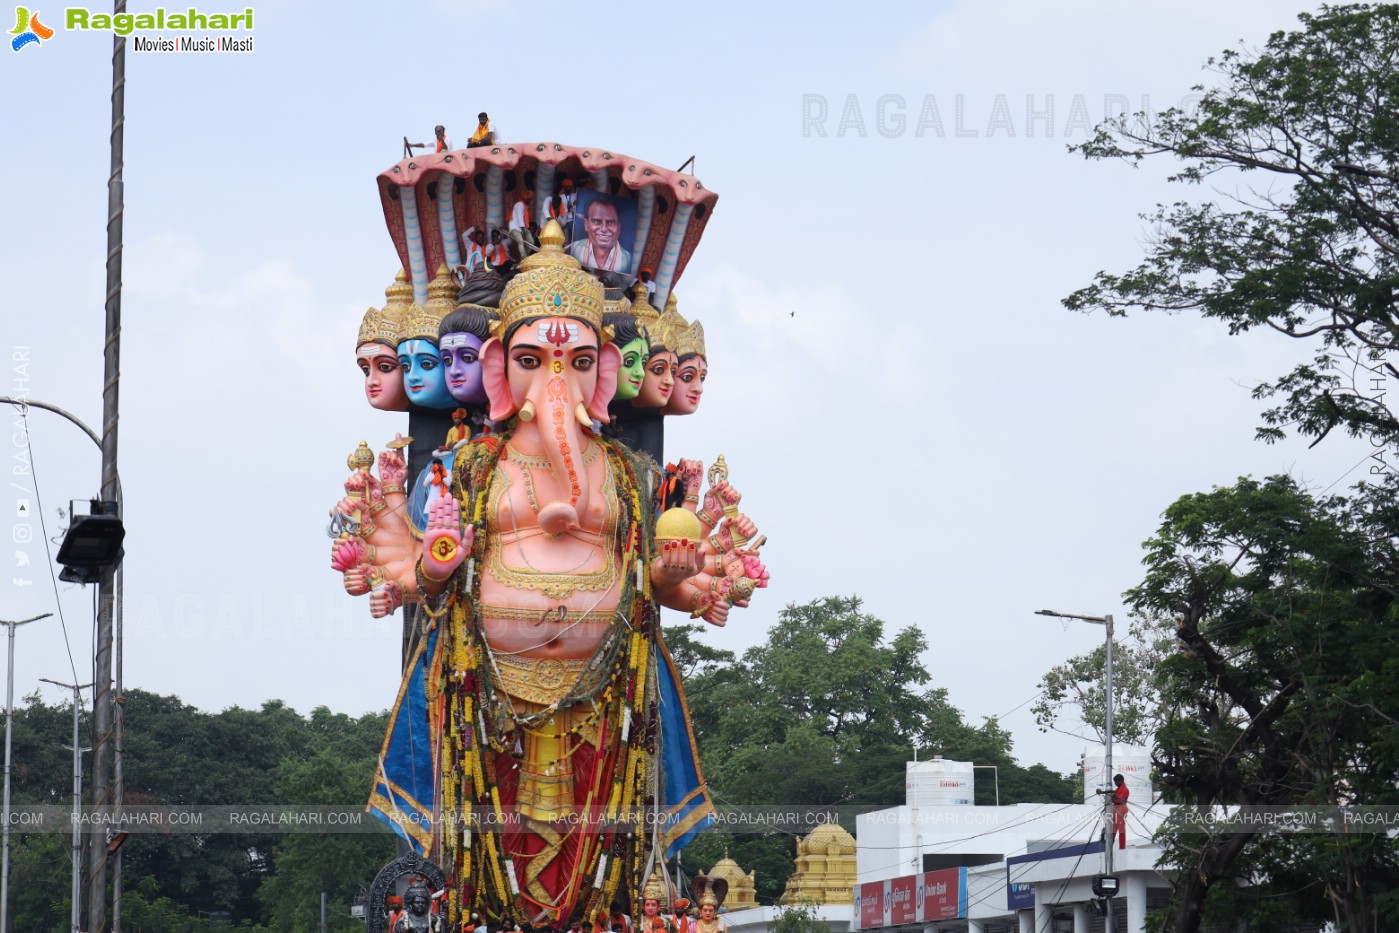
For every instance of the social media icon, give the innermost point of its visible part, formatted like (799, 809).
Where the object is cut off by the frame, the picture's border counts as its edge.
(21, 558)
(22, 534)
(22, 508)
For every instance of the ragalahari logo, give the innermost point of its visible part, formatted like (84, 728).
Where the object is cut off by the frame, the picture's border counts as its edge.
(28, 30)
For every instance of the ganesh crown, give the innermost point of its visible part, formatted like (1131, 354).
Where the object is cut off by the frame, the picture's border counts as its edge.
(551, 283)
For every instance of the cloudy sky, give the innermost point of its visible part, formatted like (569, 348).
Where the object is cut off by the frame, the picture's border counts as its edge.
(908, 410)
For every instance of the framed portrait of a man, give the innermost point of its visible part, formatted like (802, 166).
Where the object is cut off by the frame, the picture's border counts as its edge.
(603, 229)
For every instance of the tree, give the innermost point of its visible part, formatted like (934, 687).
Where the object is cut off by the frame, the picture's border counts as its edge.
(827, 712)
(1311, 249)
(1072, 694)
(1282, 691)
(798, 918)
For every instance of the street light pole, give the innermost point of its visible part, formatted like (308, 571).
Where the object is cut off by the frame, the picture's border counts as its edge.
(9, 720)
(1106, 622)
(106, 714)
(78, 750)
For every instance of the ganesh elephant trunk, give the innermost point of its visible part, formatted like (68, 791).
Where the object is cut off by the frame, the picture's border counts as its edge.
(562, 434)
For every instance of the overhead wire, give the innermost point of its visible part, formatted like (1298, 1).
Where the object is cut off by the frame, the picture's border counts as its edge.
(48, 544)
(1026, 866)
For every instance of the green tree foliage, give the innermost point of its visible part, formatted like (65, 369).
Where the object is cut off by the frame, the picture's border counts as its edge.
(1304, 133)
(1072, 695)
(798, 918)
(1284, 690)
(306, 864)
(1279, 690)
(827, 712)
(178, 755)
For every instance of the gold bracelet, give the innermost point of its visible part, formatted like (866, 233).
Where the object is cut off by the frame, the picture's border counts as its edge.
(389, 489)
(691, 497)
(705, 517)
(367, 529)
(377, 506)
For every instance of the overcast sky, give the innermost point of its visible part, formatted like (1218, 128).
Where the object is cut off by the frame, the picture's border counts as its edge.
(909, 412)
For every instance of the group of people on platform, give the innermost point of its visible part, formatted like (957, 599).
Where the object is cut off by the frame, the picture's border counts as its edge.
(599, 248)
(484, 135)
(417, 911)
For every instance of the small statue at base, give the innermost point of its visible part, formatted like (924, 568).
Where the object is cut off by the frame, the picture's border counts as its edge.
(418, 915)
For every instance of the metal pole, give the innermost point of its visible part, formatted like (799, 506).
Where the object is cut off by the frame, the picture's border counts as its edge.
(9, 720)
(102, 714)
(111, 370)
(323, 926)
(1106, 622)
(1107, 765)
(118, 710)
(77, 799)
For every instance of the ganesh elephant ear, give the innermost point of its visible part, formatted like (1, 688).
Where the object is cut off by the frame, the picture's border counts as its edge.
(609, 364)
(493, 378)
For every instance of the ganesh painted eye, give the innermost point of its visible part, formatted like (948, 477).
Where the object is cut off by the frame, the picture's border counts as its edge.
(583, 363)
(385, 366)
(527, 361)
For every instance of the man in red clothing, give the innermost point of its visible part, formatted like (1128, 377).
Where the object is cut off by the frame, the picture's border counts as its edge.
(1120, 793)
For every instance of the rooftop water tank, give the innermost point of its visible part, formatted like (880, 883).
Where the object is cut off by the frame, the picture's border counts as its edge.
(939, 782)
(1133, 762)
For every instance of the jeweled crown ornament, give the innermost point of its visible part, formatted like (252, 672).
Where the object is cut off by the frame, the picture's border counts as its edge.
(655, 887)
(422, 323)
(646, 316)
(441, 293)
(668, 329)
(386, 326)
(691, 340)
(551, 283)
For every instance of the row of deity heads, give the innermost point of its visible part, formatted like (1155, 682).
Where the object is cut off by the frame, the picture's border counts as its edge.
(429, 355)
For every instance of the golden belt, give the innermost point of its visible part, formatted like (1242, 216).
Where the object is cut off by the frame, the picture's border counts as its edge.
(545, 681)
(558, 614)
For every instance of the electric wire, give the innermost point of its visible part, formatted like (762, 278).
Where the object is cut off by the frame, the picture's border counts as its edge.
(43, 530)
(1026, 866)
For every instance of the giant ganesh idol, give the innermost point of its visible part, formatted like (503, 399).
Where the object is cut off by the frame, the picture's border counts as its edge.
(539, 757)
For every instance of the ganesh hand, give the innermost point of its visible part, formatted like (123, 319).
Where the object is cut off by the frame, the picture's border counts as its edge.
(728, 497)
(444, 545)
(346, 553)
(385, 599)
(364, 486)
(741, 529)
(718, 614)
(692, 475)
(392, 470)
(357, 581)
(677, 562)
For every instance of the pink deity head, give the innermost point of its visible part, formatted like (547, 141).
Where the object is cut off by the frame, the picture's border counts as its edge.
(691, 370)
(383, 378)
(658, 380)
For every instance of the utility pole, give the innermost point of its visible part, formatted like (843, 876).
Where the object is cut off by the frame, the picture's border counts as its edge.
(9, 721)
(102, 703)
(1106, 622)
(76, 920)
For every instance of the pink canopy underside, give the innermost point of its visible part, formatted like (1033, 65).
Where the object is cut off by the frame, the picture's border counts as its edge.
(467, 169)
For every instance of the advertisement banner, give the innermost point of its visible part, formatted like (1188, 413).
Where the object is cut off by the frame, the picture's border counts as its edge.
(944, 894)
(903, 908)
(869, 905)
